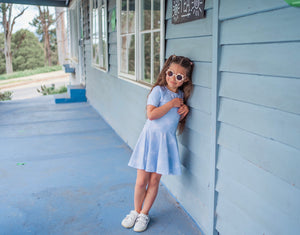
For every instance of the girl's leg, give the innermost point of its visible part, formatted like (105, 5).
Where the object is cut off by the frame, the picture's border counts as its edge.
(151, 192)
(142, 180)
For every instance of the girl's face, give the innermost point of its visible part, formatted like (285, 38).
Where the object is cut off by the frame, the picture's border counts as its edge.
(175, 77)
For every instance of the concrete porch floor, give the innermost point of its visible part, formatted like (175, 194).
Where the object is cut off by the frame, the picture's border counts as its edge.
(64, 170)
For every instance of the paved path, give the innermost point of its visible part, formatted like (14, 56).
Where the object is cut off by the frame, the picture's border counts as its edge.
(26, 87)
(64, 170)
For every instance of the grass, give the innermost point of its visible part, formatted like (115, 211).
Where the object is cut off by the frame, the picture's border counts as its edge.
(51, 90)
(29, 72)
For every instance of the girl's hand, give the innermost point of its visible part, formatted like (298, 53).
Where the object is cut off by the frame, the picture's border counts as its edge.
(154, 112)
(177, 102)
(183, 111)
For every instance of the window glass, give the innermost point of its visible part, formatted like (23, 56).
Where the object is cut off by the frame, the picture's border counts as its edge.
(99, 34)
(156, 14)
(150, 40)
(124, 17)
(103, 47)
(156, 56)
(131, 16)
(146, 57)
(124, 57)
(146, 36)
(146, 15)
(128, 54)
(95, 33)
(131, 54)
(127, 24)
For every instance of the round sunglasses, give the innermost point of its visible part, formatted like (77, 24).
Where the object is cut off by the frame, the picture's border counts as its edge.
(179, 77)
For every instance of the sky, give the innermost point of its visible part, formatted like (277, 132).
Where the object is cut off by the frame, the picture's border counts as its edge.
(23, 21)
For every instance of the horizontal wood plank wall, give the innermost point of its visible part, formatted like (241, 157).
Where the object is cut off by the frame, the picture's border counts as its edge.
(194, 40)
(121, 103)
(259, 137)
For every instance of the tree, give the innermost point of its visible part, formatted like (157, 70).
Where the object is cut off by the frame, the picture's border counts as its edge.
(53, 46)
(27, 51)
(2, 57)
(43, 22)
(8, 25)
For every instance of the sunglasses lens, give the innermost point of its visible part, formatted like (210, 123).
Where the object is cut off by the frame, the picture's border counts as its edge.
(170, 73)
(179, 77)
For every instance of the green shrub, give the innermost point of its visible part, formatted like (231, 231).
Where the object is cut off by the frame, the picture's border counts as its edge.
(51, 90)
(6, 95)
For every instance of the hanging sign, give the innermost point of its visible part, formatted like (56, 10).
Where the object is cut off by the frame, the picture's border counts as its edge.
(113, 20)
(187, 10)
(293, 3)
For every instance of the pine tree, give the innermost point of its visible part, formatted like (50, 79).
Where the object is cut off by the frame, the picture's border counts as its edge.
(43, 22)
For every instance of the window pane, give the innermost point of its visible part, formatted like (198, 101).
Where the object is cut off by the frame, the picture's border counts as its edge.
(146, 15)
(124, 5)
(124, 64)
(103, 34)
(156, 55)
(104, 45)
(146, 57)
(103, 19)
(99, 34)
(131, 16)
(156, 14)
(131, 54)
(124, 17)
(128, 54)
(95, 35)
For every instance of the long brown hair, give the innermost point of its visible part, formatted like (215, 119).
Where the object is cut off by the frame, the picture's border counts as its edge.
(187, 86)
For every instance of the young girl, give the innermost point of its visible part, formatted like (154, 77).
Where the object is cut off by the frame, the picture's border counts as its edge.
(156, 151)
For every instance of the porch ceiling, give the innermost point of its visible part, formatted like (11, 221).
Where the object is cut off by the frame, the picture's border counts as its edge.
(54, 3)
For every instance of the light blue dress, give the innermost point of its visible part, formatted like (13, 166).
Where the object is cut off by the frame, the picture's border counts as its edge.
(156, 149)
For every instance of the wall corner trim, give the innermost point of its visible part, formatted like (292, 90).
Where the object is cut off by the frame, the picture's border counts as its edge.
(214, 113)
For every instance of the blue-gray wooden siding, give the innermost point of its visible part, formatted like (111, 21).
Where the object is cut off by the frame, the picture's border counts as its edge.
(258, 177)
(122, 104)
(258, 131)
(194, 40)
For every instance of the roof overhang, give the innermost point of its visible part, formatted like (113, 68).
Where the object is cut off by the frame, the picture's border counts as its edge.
(51, 3)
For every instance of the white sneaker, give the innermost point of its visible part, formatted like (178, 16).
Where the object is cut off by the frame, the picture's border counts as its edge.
(141, 223)
(130, 219)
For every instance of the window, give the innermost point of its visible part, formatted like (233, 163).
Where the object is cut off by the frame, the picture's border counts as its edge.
(99, 34)
(127, 37)
(140, 39)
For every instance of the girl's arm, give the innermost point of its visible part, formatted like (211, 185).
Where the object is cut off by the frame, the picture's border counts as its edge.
(157, 112)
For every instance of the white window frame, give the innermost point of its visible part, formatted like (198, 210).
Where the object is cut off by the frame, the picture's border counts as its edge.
(138, 44)
(101, 23)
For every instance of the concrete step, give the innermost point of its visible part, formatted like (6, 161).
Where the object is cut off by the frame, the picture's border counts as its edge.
(76, 93)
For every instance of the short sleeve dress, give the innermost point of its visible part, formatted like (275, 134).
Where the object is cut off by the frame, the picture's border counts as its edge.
(157, 149)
